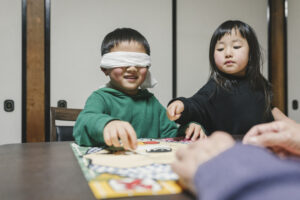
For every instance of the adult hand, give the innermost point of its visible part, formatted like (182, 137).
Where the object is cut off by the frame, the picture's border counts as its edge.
(194, 131)
(189, 158)
(120, 130)
(282, 135)
(174, 110)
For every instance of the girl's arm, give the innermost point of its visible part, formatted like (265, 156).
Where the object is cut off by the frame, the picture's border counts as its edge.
(190, 130)
(194, 109)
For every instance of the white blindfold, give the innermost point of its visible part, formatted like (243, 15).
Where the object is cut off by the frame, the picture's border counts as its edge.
(125, 59)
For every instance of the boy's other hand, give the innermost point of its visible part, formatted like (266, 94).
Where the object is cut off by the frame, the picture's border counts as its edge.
(194, 131)
(174, 110)
(120, 130)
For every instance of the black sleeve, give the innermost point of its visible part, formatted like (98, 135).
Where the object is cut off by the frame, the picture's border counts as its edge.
(196, 108)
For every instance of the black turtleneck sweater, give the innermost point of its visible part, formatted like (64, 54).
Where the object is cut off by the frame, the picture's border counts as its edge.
(234, 111)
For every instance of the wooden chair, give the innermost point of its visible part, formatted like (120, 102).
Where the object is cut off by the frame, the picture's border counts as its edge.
(62, 133)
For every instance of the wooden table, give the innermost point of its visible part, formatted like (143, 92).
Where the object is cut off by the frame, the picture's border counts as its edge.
(48, 171)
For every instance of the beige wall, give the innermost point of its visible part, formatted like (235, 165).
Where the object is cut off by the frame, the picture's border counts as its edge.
(10, 69)
(293, 43)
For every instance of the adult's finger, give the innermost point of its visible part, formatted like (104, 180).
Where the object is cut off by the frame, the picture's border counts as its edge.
(278, 115)
(268, 139)
(280, 141)
(181, 153)
(223, 140)
(177, 167)
(263, 128)
(180, 169)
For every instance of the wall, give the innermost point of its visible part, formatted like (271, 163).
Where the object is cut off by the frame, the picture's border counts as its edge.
(293, 32)
(197, 20)
(10, 69)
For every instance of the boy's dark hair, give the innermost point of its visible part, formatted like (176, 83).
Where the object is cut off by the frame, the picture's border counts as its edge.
(253, 68)
(113, 38)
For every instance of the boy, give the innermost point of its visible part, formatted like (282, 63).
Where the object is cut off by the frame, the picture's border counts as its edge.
(124, 109)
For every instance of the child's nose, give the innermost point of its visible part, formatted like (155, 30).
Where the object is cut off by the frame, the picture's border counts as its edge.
(228, 52)
(132, 68)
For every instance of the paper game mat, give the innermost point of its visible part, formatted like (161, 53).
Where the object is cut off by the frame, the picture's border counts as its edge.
(113, 173)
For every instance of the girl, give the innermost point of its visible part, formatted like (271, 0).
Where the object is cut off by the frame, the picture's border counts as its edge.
(237, 96)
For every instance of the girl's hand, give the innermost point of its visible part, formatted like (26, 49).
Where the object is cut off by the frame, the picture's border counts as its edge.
(194, 131)
(119, 130)
(174, 110)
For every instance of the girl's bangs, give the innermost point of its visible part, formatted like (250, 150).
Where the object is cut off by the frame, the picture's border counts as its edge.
(228, 30)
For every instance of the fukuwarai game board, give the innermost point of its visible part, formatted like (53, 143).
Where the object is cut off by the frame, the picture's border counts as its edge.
(115, 172)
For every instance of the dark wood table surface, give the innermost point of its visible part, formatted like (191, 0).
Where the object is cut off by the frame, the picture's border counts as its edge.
(48, 171)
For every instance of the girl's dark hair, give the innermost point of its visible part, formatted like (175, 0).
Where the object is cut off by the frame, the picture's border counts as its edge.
(119, 35)
(253, 68)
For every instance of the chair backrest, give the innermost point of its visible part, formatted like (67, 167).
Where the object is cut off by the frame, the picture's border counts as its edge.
(62, 133)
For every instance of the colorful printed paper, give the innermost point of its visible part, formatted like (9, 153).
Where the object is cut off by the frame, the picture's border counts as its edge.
(110, 180)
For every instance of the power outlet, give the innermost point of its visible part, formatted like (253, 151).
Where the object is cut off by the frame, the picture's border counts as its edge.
(9, 105)
(62, 104)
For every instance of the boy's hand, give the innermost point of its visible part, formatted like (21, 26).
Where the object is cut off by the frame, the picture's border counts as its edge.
(115, 130)
(174, 110)
(194, 131)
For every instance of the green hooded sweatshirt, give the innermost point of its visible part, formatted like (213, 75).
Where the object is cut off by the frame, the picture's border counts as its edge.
(143, 111)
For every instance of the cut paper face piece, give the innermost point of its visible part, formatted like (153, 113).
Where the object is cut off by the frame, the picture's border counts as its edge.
(137, 158)
(122, 159)
(158, 149)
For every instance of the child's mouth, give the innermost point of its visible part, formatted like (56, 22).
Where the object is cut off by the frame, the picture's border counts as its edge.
(229, 62)
(131, 78)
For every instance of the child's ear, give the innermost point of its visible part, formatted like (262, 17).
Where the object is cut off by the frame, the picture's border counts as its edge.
(105, 71)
